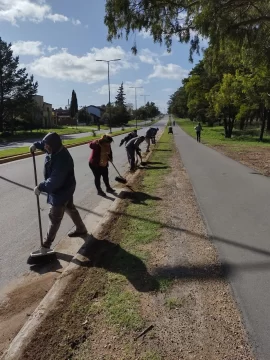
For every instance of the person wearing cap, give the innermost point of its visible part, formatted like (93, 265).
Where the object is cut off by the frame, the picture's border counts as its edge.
(99, 162)
(59, 184)
(150, 136)
(133, 147)
(130, 136)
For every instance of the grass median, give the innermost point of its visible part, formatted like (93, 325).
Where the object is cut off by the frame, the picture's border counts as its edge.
(25, 149)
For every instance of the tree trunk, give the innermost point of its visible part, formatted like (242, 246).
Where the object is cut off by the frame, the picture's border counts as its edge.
(263, 120)
(242, 124)
(268, 120)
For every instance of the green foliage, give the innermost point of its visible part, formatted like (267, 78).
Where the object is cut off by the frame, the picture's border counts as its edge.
(84, 117)
(16, 88)
(150, 110)
(73, 105)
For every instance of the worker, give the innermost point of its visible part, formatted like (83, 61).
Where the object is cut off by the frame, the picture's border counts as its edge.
(99, 162)
(59, 184)
(132, 148)
(150, 136)
(130, 136)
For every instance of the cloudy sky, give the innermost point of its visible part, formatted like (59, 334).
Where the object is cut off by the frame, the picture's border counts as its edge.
(59, 41)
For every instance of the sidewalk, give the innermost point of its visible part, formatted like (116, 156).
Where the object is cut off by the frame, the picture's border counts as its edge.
(152, 287)
(235, 201)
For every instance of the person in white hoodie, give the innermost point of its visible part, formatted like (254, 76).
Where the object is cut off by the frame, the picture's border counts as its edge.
(132, 147)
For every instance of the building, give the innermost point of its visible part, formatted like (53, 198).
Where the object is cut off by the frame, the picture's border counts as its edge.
(43, 112)
(62, 117)
(95, 111)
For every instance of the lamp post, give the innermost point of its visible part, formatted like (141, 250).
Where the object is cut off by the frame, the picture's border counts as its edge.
(109, 87)
(145, 103)
(136, 87)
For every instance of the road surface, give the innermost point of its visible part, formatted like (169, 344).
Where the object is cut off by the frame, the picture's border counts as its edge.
(235, 202)
(18, 217)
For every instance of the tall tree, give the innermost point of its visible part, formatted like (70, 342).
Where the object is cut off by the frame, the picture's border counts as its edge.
(16, 88)
(73, 105)
(120, 99)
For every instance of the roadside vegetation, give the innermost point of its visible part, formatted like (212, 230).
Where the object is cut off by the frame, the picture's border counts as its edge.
(82, 140)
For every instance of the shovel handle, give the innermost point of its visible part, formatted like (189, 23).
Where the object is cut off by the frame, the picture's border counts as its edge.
(116, 169)
(38, 203)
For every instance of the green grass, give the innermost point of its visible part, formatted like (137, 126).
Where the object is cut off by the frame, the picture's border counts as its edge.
(25, 149)
(174, 303)
(138, 229)
(215, 136)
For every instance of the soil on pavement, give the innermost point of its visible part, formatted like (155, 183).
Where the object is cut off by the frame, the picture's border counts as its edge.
(193, 317)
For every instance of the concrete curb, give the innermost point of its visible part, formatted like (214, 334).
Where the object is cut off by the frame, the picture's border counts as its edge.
(7, 159)
(25, 335)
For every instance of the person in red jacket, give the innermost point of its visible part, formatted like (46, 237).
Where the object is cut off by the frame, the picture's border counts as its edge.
(99, 162)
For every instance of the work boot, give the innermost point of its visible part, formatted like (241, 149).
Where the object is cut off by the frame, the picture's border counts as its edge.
(110, 190)
(101, 192)
(77, 233)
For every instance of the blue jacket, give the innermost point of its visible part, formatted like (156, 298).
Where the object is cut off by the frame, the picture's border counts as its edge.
(60, 182)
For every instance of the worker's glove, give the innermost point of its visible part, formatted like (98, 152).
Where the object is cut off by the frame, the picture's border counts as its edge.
(32, 148)
(37, 191)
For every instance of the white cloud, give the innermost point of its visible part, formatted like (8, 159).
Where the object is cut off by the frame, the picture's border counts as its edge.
(148, 57)
(27, 48)
(166, 53)
(57, 17)
(28, 10)
(66, 66)
(169, 71)
(145, 34)
(52, 48)
(76, 22)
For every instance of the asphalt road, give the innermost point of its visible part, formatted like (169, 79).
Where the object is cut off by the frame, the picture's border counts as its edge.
(235, 202)
(19, 234)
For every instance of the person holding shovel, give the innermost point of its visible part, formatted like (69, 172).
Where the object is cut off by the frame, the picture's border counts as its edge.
(99, 162)
(132, 147)
(59, 184)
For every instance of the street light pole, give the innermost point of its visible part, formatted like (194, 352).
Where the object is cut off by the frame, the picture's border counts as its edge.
(136, 87)
(145, 103)
(109, 89)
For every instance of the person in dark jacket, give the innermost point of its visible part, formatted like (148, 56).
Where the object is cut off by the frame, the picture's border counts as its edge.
(150, 136)
(99, 162)
(133, 147)
(59, 184)
(130, 136)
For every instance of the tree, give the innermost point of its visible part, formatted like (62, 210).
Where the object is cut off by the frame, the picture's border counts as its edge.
(16, 88)
(84, 116)
(73, 105)
(120, 114)
(120, 97)
(239, 20)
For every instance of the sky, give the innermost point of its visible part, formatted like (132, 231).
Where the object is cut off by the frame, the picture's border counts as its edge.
(59, 41)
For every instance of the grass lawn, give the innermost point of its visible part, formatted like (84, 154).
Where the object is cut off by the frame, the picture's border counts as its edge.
(214, 136)
(66, 130)
(25, 149)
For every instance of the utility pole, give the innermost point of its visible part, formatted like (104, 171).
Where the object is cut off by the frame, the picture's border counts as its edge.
(145, 103)
(109, 88)
(136, 87)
